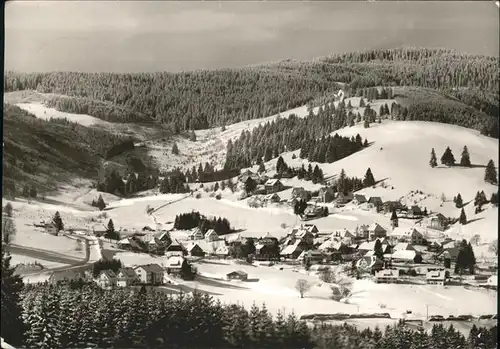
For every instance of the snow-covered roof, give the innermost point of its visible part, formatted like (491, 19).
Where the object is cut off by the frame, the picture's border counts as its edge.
(342, 233)
(375, 226)
(403, 246)
(272, 181)
(407, 255)
(370, 245)
(210, 232)
(330, 244)
(391, 273)
(290, 248)
(174, 262)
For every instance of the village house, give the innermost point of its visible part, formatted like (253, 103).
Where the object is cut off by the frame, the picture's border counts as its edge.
(292, 251)
(260, 189)
(438, 222)
(408, 234)
(243, 177)
(403, 246)
(334, 246)
(126, 277)
(390, 206)
(376, 231)
(67, 275)
(434, 246)
(154, 245)
(435, 276)
(326, 194)
(149, 274)
(362, 232)
(313, 256)
(194, 249)
(173, 265)
(415, 211)
(343, 198)
(301, 193)
(311, 228)
(99, 229)
(376, 201)
(222, 251)
(196, 234)
(175, 249)
(272, 198)
(358, 199)
(263, 178)
(370, 246)
(344, 235)
(211, 235)
(106, 279)
(237, 275)
(129, 244)
(407, 256)
(387, 276)
(163, 236)
(273, 186)
(304, 235)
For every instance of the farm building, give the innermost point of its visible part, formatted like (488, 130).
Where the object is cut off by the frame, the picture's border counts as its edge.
(173, 265)
(343, 198)
(403, 246)
(301, 193)
(326, 194)
(175, 249)
(194, 249)
(273, 198)
(407, 256)
(51, 229)
(435, 276)
(292, 251)
(273, 186)
(359, 199)
(211, 235)
(66, 275)
(237, 275)
(376, 201)
(438, 222)
(196, 234)
(344, 235)
(369, 264)
(415, 211)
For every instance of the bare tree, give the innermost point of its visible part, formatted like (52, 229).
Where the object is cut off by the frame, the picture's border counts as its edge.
(475, 240)
(302, 286)
(494, 247)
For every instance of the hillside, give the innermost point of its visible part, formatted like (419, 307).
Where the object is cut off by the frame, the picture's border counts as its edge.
(204, 99)
(49, 153)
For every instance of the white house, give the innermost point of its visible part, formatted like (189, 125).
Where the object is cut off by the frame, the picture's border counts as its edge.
(126, 277)
(344, 235)
(403, 246)
(149, 273)
(375, 231)
(435, 276)
(106, 279)
(405, 234)
(211, 235)
(196, 234)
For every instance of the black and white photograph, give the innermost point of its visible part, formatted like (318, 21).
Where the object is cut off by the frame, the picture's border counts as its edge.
(250, 174)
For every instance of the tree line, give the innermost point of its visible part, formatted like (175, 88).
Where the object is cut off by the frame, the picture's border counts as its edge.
(195, 219)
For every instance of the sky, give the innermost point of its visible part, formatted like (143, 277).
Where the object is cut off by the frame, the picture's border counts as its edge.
(148, 36)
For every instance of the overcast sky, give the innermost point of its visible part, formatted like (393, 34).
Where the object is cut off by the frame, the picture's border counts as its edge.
(138, 36)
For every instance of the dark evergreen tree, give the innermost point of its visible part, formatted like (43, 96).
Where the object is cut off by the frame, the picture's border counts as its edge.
(458, 201)
(175, 149)
(433, 161)
(369, 180)
(490, 174)
(465, 159)
(378, 252)
(463, 217)
(250, 185)
(57, 220)
(448, 159)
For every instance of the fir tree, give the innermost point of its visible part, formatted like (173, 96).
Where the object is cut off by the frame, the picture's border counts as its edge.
(458, 201)
(378, 251)
(463, 217)
(433, 161)
(12, 323)
(57, 220)
(448, 159)
(250, 185)
(465, 159)
(369, 180)
(100, 203)
(366, 123)
(490, 174)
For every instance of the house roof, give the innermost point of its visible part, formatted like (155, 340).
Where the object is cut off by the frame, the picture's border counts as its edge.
(124, 241)
(238, 272)
(375, 226)
(331, 244)
(403, 246)
(368, 261)
(342, 233)
(272, 181)
(375, 198)
(415, 208)
(405, 231)
(151, 268)
(127, 272)
(407, 255)
(109, 273)
(270, 196)
(290, 248)
(66, 275)
(222, 250)
(370, 245)
(210, 232)
(360, 197)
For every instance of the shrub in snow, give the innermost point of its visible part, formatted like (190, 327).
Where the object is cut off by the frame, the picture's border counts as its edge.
(211, 195)
(198, 195)
(382, 305)
(218, 196)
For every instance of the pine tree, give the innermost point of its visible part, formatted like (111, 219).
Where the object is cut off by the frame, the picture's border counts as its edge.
(110, 231)
(366, 123)
(433, 161)
(250, 185)
(100, 203)
(448, 159)
(57, 220)
(458, 201)
(378, 251)
(12, 326)
(465, 159)
(463, 217)
(494, 199)
(490, 174)
(369, 180)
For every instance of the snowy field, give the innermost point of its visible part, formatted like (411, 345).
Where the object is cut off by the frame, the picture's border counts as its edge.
(21, 259)
(41, 111)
